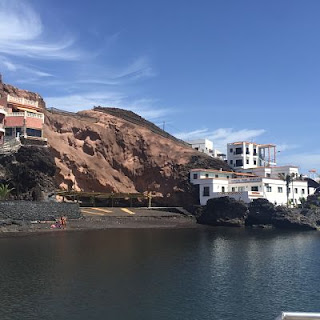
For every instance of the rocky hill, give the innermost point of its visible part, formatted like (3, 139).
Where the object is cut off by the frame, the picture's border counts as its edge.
(104, 151)
(114, 150)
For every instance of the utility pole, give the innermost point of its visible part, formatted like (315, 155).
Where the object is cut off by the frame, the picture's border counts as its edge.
(163, 126)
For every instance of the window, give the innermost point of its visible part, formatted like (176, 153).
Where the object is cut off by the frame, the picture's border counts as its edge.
(8, 132)
(247, 151)
(268, 175)
(302, 191)
(238, 150)
(239, 163)
(206, 191)
(196, 148)
(34, 132)
(247, 161)
(231, 150)
(233, 189)
(280, 190)
(223, 189)
(231, 161)
(217, 176)
(195, 176)
(289, 190)
(254, 152)
(295, 190)
(255, 162)
(254, 188)
(207, 176)
(269, 188)
(228, 177)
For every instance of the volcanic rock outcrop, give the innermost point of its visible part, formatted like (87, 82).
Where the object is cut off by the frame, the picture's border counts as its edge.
(113, 150)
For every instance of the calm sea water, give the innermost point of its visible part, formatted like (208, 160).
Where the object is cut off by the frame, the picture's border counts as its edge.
(215, 273)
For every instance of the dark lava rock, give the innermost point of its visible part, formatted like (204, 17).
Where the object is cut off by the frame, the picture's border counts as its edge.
(261, 212)
(286, 218)
(30, 172)
(224, 211)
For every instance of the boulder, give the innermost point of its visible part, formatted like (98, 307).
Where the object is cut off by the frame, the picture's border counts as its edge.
(224, 211)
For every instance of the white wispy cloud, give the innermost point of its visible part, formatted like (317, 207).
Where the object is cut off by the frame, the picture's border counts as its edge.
(285, 146)
(22, 34)
(22, 69)
(304, 160)
(221, 136)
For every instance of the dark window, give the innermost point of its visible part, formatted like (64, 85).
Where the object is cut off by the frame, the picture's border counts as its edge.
(195, 176)
(255, 162)
(231, 161)
(255, 188)
(268, 175)
(295, 190)
(233, 189)
(207, 176)
(302, 191)
(33, 132)
(238, 150)
(247, 151)
(196, 148)
(8, 132)
(269, 189)
(231, 150)
(280, 189)
(254, 152)
(247, 161)
(217, 176)
(206, 191)
(228, 177)
(239, 163)
(223, 189)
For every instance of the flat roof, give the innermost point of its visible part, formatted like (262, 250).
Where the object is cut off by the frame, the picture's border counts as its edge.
(256, 144)
(232, 172)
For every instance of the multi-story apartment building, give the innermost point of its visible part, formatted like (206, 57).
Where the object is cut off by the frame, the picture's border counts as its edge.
(244, 155)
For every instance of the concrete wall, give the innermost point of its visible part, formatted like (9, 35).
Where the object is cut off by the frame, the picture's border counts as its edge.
(33, 210)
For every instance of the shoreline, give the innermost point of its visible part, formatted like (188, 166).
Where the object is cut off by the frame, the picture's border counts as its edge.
(26, 228)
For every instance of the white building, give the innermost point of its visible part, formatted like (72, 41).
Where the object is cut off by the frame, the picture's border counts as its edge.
(246, 187)
(206, 146)
(244, 155)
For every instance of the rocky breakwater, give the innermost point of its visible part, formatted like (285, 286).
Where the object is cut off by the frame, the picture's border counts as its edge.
(226, 211)
(114, 150)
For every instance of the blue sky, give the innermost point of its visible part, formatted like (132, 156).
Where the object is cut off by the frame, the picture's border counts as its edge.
(227, 70)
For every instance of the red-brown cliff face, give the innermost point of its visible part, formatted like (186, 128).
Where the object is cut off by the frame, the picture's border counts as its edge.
(107, 149)
(97, 151)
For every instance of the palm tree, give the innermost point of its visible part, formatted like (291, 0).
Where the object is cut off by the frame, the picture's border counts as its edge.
(4, 191)
(288, 178)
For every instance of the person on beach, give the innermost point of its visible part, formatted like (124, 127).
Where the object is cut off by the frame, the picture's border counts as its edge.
(63, 220)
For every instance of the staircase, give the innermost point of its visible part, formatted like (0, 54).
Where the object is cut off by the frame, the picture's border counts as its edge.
(11, 146)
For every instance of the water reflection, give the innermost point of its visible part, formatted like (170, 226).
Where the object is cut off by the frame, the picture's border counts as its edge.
(213, 273)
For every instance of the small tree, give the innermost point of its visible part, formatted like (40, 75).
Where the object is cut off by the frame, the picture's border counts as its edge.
(288, 178)
(4, 191)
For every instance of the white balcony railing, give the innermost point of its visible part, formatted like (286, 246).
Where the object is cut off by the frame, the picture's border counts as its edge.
(22, 101)
(26, 115)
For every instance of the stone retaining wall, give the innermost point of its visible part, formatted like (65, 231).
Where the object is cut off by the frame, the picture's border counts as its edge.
(34, 210)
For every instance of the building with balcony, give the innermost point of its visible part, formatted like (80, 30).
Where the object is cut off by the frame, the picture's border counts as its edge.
(245, 155)
(24, 118)
(247, 187)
